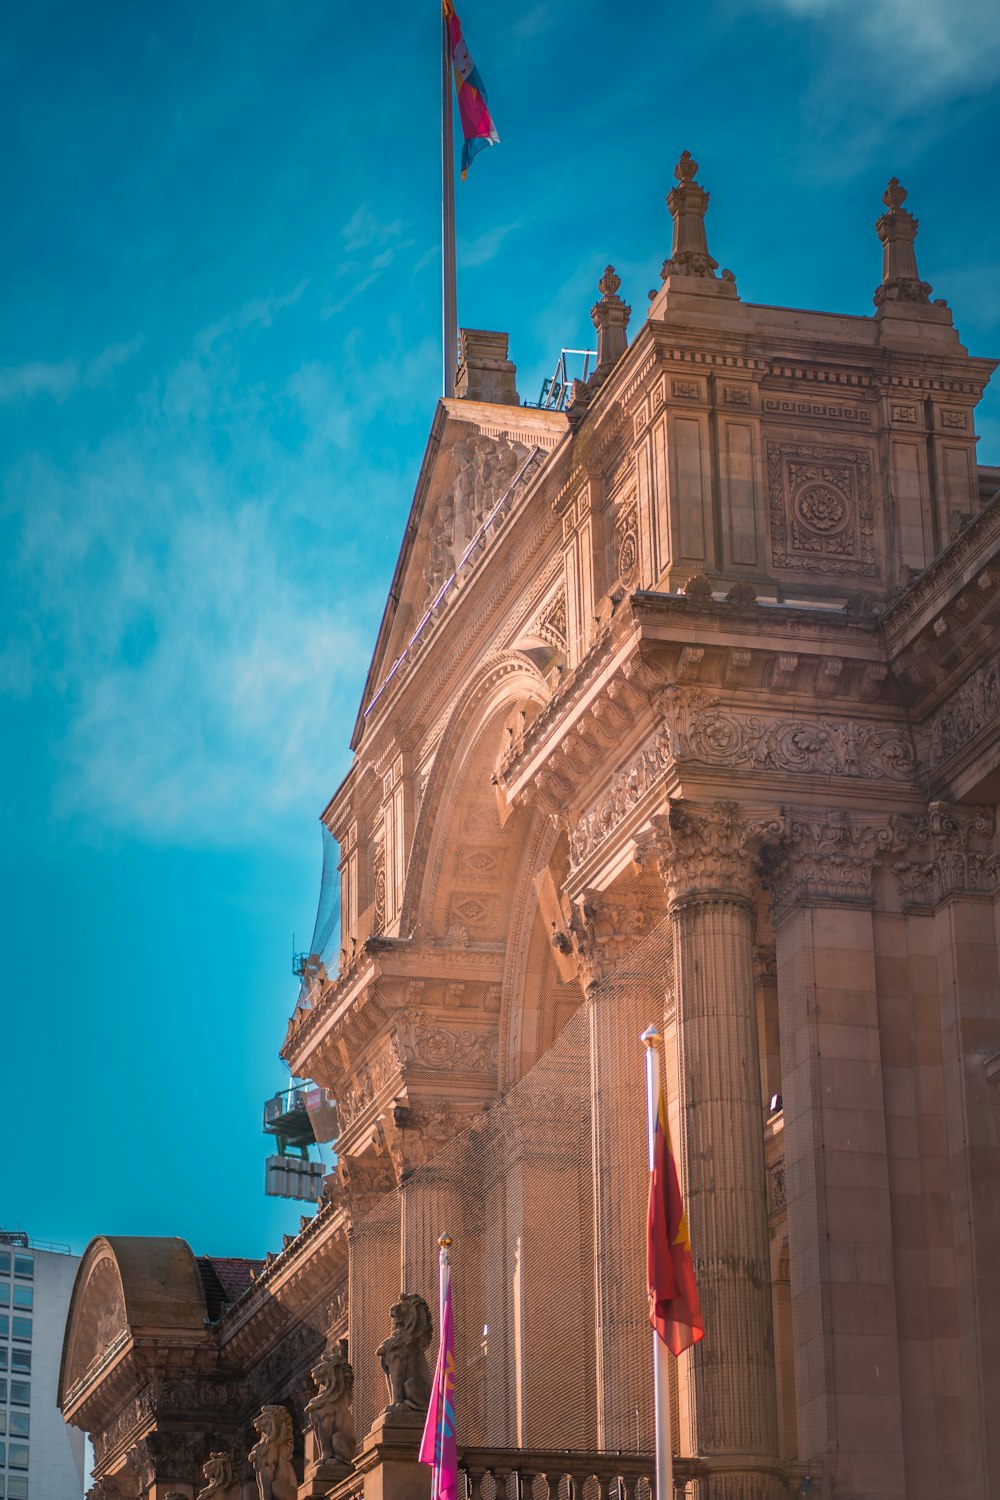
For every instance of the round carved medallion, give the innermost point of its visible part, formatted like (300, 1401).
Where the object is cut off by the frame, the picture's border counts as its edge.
(628, 556)
(821, 509)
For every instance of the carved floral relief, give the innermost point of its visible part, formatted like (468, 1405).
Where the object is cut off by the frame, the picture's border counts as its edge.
(822, 509)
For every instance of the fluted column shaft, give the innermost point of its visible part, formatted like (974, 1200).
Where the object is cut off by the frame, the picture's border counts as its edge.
(709, 874)
(734, 1378)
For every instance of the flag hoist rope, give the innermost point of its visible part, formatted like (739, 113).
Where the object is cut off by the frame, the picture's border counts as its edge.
(449, 298)
(661, 1369)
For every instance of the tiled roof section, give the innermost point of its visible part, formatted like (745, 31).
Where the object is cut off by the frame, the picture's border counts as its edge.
(224, 1280)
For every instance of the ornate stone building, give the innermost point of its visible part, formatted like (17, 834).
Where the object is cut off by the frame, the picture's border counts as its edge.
(685, 707)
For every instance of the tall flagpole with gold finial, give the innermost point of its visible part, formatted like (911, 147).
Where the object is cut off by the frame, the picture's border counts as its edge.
(449, 297)
(661, 1370)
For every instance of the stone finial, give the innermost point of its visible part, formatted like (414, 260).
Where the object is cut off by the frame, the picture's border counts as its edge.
(403, 1355)
(688, 203)
(610, 317)
(897, 230)
(484, 371)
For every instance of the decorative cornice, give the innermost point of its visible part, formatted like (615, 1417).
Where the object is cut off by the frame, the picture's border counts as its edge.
(950, 851)
(931, 590)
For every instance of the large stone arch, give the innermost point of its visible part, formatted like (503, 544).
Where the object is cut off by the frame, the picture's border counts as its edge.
(485, 873)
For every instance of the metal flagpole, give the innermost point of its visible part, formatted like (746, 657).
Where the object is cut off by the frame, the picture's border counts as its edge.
(449, 295)
(661, 1370)
(444, 1276)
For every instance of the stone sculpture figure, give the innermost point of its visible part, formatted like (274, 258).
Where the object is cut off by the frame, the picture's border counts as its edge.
(271, 1457)
(329, 1413)
(404, 1355)
(223, 1482)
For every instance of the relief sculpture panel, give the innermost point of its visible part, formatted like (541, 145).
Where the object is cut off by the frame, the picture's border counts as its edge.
(822, 509)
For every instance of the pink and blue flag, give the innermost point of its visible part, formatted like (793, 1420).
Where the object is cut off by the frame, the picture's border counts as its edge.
(438, 1447)
(478, 129)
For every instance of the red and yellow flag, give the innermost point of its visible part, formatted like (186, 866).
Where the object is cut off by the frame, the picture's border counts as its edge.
(674, 1308)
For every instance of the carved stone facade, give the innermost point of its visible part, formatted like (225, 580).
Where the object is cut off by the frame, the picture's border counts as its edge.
(685, 708)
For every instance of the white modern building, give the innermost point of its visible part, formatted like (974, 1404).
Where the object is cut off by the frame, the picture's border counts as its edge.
(40, 1457)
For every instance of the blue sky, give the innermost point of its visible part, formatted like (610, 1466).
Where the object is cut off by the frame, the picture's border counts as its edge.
(218, 362)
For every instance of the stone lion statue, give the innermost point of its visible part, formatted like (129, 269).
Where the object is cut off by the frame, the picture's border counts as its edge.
(223, 1482)
(271, 1457)
(329, 1413)
(403, 1354)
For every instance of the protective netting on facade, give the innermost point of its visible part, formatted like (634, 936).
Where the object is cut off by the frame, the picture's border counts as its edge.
(545, 1199)
(322, 960)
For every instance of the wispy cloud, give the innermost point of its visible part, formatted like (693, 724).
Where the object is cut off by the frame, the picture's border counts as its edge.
(38, 378)
(917, 49)
(205, 674)
(481, 250)
(63, 378)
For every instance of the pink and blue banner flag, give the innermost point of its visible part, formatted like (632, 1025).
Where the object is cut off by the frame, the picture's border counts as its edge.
(478, 129)
(438, 1447)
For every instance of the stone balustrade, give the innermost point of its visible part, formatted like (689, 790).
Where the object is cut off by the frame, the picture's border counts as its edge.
(530, 1474)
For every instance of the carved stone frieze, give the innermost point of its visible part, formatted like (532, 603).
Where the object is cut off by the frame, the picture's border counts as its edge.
(447, 1049)
(624, 792)
(826, 858)
(134, 1415)
(374, 1075)
(710, 850)
(700, 729)
(970, 708)
(949, 851)
(485, 468)
(163, 1455)
(822, 509)
(784, 406)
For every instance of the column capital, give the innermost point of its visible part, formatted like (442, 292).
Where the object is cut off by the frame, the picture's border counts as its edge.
(709, 851)
(948, 851)
(603, 933)
(825, 859)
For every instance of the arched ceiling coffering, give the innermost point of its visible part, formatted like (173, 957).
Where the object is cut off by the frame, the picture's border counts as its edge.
(127, 1286)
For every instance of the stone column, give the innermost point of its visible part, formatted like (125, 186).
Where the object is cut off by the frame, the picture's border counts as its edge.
(837, 1182)
(709, 870)
(624, 966)
(949, 875)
